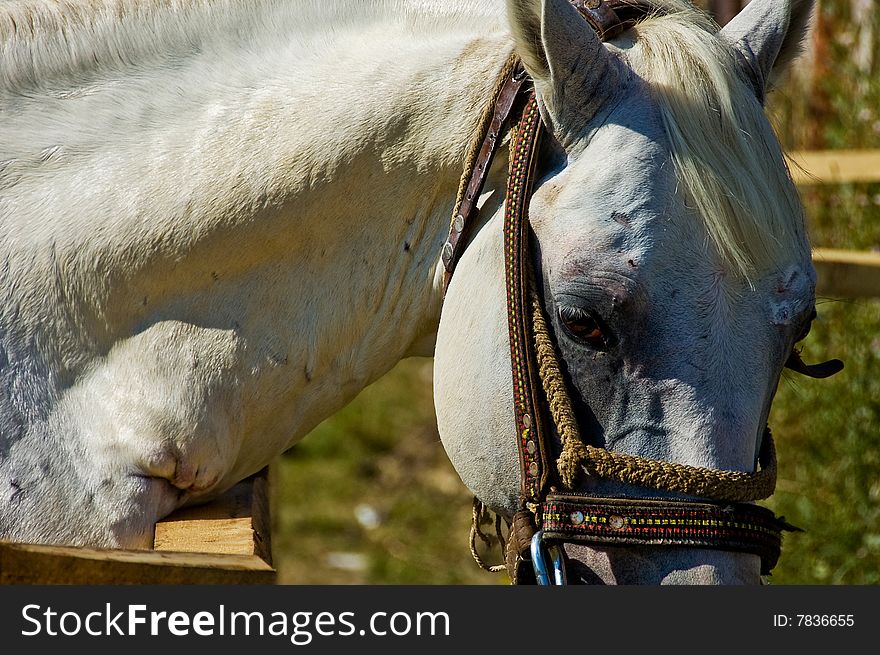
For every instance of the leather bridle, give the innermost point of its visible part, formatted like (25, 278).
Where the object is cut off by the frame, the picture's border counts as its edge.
(548, 517)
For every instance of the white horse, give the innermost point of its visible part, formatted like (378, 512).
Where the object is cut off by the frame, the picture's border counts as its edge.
(220, 220)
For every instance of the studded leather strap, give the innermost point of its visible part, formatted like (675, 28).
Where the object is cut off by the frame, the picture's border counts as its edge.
(639, 522)
(531, 440)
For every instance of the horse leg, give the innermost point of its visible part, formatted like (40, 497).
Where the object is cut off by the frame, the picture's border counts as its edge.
(164, 404)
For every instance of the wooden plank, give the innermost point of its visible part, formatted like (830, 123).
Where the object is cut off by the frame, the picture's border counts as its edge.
(834, 166)
(38, 564)
(847, 273)
(236, 523)
(223, 542)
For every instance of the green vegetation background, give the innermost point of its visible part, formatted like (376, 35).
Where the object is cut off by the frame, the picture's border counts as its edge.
(370, 498)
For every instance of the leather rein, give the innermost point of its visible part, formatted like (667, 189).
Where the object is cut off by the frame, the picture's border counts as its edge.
(547, 517)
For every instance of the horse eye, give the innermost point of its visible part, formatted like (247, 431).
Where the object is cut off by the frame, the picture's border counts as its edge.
(583, 327)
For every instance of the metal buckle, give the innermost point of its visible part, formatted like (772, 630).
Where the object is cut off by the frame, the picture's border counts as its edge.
(543, 574)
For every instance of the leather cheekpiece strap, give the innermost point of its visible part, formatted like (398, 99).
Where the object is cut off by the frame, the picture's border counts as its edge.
(532, 440)
(467, 211)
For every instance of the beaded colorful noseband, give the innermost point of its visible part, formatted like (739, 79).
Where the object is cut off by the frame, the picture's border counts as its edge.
(547, 517)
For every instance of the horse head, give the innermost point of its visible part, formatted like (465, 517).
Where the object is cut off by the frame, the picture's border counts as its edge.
(671, 257)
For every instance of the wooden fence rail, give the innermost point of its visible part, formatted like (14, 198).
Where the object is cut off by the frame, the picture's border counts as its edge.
(841, 273)
(834, 166)
(846, 273)
(223, 542)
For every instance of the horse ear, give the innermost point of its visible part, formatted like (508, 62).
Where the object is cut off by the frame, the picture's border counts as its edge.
(574, 74)
(768, 34)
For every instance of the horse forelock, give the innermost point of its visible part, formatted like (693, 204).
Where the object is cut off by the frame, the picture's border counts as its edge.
(727, 158)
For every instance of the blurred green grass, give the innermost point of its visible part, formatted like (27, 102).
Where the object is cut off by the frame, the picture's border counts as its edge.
(370, 498)
(828, 434)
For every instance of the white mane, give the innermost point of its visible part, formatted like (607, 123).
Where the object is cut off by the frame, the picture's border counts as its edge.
(727, 157)
(45, 39)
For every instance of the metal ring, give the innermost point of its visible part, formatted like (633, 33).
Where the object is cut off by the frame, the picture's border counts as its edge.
(542, 573)
(557, 556)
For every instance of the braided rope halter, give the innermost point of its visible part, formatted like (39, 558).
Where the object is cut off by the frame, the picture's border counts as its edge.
(548, 517)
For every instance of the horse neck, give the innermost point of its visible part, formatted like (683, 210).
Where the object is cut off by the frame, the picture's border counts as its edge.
(311, 173)
(390, 198)
(375, 180)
